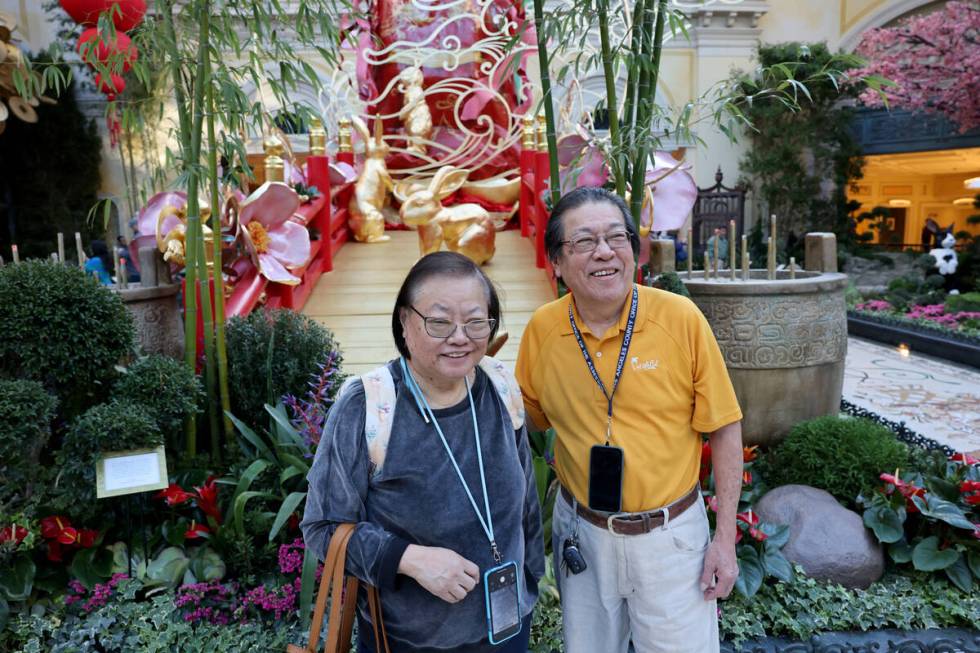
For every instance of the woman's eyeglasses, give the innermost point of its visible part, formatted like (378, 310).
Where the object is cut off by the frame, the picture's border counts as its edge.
(586, 244)
(439, 327)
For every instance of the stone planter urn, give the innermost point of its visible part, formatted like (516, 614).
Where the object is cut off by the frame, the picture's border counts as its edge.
(784, 341)
(153, 305)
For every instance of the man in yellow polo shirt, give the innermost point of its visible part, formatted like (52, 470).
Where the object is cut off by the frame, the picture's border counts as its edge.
(630, 377)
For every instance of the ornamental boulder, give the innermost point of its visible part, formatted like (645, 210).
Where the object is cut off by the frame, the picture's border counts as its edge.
(829, 541)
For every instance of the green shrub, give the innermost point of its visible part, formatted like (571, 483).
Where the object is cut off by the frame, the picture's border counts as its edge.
(166, 388)
(119, 425)
(800, 609)
(842, 455)
(125, 623)
(270, 354)
(671, 282)
(62, 329)
(967, 303)
(26, 411)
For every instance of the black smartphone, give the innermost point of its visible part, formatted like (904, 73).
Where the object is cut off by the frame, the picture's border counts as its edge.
(606, 478)
(503, 602)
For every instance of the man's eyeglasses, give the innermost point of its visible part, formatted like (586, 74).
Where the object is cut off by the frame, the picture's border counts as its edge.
(586, 244)
(439, 327)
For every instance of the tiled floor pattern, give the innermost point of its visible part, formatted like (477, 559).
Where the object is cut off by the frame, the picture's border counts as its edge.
(934, 397)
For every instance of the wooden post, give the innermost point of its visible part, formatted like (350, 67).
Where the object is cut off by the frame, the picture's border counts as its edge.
(690, 252)
(79, 251)
(745, 258)
(792, 267)
(662, 256)
(707, 267)
(731, 248)
(61, 247)
(16, 254)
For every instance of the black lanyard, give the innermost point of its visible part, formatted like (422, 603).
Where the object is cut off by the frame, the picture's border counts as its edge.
(627, 337)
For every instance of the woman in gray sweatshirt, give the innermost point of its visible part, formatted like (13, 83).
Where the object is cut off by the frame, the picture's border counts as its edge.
(416, 454)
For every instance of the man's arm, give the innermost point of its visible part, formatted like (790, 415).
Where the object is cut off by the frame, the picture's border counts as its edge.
(720, 563)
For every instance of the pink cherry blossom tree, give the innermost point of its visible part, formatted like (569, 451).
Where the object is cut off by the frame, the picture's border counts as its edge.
(934, 60)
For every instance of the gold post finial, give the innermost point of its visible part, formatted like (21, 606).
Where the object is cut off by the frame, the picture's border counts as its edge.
(318, 138)
(528, 141)
(274, 166)
(344, 136)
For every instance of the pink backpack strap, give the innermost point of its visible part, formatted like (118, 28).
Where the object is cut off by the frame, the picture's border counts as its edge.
(505, 384)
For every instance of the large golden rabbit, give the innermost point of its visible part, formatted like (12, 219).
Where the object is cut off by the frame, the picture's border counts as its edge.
(465, 228)
(415, 114)
(371, 188)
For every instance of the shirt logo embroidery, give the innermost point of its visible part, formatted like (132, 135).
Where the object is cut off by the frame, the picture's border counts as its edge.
(636, 364)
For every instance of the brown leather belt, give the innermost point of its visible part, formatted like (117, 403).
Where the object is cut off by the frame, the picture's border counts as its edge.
(636, 523)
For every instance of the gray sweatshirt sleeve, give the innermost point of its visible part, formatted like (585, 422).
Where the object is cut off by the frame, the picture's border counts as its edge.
(338, 486)
(533, 532)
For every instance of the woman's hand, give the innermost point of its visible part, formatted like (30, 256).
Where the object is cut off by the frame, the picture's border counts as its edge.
(442, 572)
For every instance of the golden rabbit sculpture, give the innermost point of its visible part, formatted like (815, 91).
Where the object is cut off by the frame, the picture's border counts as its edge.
(371, 188)
(465, 228)
(415, 114)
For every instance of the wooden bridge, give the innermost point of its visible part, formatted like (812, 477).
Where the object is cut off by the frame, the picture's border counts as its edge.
(355, 300)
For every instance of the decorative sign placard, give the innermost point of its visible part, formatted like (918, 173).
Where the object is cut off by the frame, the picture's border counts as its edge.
(128, 472)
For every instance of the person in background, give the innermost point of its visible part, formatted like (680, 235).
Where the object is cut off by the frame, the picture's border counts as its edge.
(122, 251)
(99, 262)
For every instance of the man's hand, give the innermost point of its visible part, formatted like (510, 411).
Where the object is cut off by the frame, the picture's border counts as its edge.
(442, 572)
(720, 570)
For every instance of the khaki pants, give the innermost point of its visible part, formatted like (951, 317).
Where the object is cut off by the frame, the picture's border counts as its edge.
(643, 588)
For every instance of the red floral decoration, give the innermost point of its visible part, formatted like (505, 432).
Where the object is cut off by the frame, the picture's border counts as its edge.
(93, 48)
(196, 531)
(207, 498)
(13, 533)
(86, 12)
(907, 490)
(174, 495)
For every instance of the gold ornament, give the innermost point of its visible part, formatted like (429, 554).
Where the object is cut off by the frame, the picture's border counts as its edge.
(12, 63)
(465, 228)
(173, 245)
(371, 188)
(275, 167)
(415, 114)
(318, 138)
(344, 136)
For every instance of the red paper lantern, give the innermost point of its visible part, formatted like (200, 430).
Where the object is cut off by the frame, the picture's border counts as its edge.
(86, 12)
(112, 86)
(103, 50)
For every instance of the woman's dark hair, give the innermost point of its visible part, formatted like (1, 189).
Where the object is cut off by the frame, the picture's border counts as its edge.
(440, 264)
(100, 250)
(555, 231)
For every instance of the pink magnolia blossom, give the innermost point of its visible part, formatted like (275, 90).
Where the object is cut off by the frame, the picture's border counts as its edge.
(275, 243)
(670, 187)
(935, 61)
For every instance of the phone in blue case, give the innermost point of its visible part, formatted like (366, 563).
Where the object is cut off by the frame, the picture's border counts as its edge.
(502, 591)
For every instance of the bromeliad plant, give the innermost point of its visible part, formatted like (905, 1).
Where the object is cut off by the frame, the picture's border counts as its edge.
(758, 544)
(930, 518)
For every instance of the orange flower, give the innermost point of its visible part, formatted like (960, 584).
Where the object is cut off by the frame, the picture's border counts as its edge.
(749, 453)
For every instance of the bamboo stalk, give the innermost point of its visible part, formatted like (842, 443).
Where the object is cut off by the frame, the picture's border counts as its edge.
(648, 91)
(707, 266)
(632, 81)
(61, 248)
(190, 296)
(221, 351)
(612, 104)
(546, 100)
(690, 252)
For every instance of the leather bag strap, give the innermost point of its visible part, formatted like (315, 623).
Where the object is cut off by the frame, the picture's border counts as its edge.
(336, 553)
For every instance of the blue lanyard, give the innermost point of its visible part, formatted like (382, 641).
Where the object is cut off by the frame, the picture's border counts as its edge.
(627, 337)
(428, 415)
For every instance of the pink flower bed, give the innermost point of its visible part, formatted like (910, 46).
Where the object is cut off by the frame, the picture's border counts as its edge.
(931, 312)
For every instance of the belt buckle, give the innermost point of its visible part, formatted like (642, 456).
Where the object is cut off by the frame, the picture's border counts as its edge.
(609, 524)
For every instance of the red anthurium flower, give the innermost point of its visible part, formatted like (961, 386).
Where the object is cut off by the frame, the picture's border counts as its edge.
(751, 520)
(196, 531)
(13, 533)
(87, 537)
(51, 527)
(68, 535)
(964, 459)
(54, 551)
(748, 453)
(207, 498)
(908, 490)
(174, 495)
